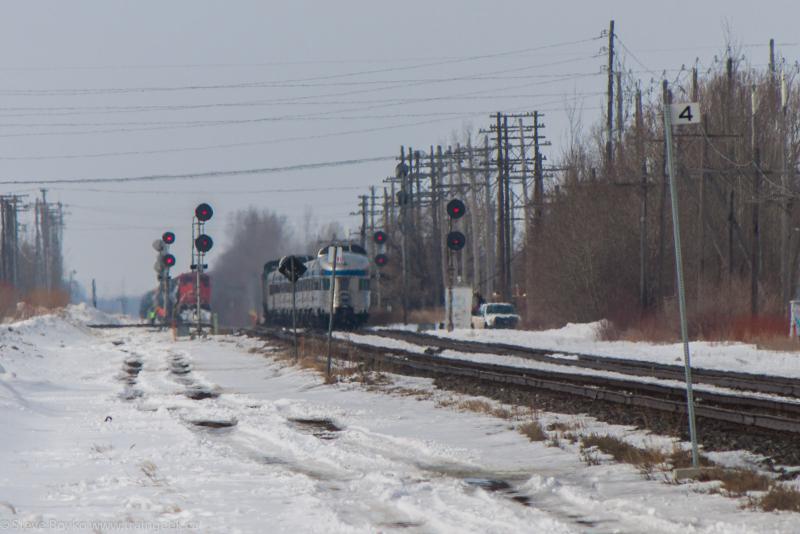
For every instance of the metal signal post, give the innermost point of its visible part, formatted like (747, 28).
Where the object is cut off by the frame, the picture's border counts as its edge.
(455, 242)
(292, 268)
(201, 244)
(332, 308)
(684, 114)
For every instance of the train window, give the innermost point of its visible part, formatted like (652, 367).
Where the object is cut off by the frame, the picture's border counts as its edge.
(344, 284)
(326, 284)
(363, 284)
(358, 249)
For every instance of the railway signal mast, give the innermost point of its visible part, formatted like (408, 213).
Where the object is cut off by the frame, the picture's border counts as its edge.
(403, 198)
(292, 268)
(202, 244)
(455, 242)
(164, 260)
(381, 259)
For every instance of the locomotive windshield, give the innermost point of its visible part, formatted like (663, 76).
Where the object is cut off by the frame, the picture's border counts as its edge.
(355, 249)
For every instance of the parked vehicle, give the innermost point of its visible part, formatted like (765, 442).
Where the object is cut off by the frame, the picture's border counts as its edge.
(495, 315)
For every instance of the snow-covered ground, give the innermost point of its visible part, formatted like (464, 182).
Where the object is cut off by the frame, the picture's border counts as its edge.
(525, 363)
(731, 356)
(90, 444)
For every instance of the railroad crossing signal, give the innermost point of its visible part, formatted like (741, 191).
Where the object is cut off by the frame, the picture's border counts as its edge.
(381, 260)
(203, 212)
(291, 267)
(456, 240)
(456, 209)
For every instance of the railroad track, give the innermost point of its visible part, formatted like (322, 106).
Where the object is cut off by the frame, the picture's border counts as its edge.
(766, 384)
(770, 413)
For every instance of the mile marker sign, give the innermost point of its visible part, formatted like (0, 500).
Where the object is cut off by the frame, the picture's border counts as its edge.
(685, 113)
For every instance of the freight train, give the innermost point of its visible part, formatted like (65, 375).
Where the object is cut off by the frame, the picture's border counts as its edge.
(351, 292)
(182, 299)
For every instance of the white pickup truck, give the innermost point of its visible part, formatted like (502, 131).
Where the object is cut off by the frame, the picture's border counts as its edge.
(496, 315)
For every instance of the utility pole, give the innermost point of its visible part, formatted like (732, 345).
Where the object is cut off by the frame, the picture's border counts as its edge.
(94, 293)
(756, 246)
(772, 57)
(701, 199)
(620, 125)
(701, 242)
(44, 214)
(372, 199)
(538, 172)
(488, 216)
(643, 209)
(786, 284)
(509, 231)
(364, 221)
(412, 198)
(473, 218)
(662, 207)
(437, 207)
(402, 173)
(501, 210)
(610, 95)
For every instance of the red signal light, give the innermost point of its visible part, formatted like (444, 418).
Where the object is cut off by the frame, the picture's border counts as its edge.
(456, 241)
(169, 260)
(168, 238)
(456, 208)
(203, 212)
(203, 243)
(381, 260)
(380, 237)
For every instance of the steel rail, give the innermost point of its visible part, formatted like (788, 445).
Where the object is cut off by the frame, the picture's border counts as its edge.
(759, 383)
(711, 405)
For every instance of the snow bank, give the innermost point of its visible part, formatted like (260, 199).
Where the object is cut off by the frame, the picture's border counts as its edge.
(741, 357)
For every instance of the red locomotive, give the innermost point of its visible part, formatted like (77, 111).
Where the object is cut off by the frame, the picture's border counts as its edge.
(186, 295)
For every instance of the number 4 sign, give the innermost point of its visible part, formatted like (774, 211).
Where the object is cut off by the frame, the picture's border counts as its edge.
(685, 113)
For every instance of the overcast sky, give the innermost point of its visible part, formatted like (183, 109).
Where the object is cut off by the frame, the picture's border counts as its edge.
(113, 89)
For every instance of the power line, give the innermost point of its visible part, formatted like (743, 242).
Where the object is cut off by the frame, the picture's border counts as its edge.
(326, 116)
(246, 65)
(200, 175)
(216, 193)
(100, 110)
(207, 124)
(248, 85)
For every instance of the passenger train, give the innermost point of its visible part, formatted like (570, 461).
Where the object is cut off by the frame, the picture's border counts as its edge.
(351, 294)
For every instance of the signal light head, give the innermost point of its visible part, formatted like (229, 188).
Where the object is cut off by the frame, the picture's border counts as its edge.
(168, 238)
(203, 212)
(203, 243)
(168, 260)
(456, 209)
(380, 237)
(456, 240)
(381, 260)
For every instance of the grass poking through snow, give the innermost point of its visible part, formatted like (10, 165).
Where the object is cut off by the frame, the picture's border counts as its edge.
(533, 431)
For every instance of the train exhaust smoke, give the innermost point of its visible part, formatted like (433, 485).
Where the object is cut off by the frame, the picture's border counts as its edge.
(255, 236)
